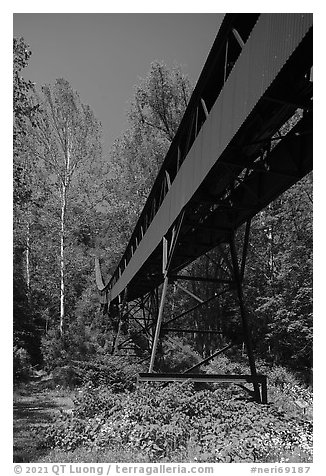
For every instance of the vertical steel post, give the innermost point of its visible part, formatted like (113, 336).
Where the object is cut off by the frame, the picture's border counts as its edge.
(245, 248)
(244, 317)
(264, 390)
(158, 324)
(160, 311)
(167, 255)
(116, 340)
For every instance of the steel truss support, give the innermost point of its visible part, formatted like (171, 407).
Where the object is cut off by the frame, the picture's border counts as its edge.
(197, 306)
(236, 272)
(122, 317)
(200, 278)
(158, 324)
(152, 310)
(190, 331)
(167, 255)
(215, 354)
(207, 378)
(238, 279)
(143, 312)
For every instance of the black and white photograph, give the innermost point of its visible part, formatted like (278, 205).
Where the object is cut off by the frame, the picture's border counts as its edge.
(162, 241)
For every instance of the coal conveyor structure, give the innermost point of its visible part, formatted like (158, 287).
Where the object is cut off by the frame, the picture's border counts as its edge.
(244, 139)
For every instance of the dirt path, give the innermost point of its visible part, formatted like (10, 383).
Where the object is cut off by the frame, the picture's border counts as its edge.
(35, 407)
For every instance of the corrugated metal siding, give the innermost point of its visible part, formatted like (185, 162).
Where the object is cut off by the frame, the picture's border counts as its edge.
(271, 43)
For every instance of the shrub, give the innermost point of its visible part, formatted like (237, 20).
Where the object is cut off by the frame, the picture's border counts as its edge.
(224, 365)
(94, 455)
(104, 370)
(284, 389)
(66, 376)
(281, 377)
(166, 422)
(21, 364)
(178, 356)
(112, 371)
(53, 351)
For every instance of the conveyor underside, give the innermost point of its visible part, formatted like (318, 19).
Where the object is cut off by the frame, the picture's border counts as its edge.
(240, 159)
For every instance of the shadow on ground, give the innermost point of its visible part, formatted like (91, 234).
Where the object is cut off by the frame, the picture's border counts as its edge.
(34, 408)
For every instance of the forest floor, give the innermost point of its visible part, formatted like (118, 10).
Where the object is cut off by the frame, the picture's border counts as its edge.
(35, 406)
(39, 403)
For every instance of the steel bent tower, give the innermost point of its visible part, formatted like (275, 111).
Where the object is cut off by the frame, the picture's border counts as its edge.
(231, 156)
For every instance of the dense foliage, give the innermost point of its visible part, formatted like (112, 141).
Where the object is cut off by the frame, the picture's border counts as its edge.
(26, 336)
(90, 204)
(72, 204)
(177, 423)
(277, 287)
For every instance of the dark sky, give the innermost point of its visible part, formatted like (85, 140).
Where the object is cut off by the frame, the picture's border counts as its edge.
(102, 55)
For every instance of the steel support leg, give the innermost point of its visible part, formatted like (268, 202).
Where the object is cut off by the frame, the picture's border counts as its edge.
(121, 316)
(167, 256)
(158, 324)
(264, 389)
(244, 317)
(218, 352)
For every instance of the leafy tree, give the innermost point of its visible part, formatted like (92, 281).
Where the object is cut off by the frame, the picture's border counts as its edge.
(71, 203)
(277, 286)
(160, 101)
(67, 135)
(26, 334)
(23, 110)
(280, 275)
(156, 110)
(279, 270)
(158, 105)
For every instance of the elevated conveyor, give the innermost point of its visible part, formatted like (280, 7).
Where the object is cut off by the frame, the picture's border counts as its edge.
(245, 138)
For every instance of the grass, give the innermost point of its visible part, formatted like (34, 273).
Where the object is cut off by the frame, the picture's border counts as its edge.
(35, 406)
(88, 455)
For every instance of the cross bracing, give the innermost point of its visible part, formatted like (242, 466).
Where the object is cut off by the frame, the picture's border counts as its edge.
(233, 154)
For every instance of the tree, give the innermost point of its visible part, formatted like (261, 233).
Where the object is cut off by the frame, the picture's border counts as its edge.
(23, 112)
(283, 262)
(156, 110)
(158, 105)
(26, 334)
(160, 101)
(278, 271)
(67, 135)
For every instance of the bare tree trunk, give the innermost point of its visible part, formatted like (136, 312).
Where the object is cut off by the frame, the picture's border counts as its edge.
(65, 186)
(62, 260)
(28, 273)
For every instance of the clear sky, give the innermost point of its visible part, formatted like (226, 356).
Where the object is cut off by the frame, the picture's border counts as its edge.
(103, 55)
